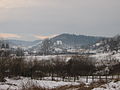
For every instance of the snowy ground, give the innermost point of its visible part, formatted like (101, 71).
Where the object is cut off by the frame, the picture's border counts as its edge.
(98, 56)
(48, 57)
(109, 86)
(17, 84)
(13, 84)
(104, 56)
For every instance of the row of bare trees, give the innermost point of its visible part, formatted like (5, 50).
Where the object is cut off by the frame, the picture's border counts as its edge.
(54, 67)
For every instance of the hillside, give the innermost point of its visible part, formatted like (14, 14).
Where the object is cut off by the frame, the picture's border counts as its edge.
(67, 40)
(108, 44)
(76, 40)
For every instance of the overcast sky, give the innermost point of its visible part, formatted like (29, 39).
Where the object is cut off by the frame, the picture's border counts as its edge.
(33, 19)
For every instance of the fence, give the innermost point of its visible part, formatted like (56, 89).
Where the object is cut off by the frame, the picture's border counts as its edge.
(86, 79)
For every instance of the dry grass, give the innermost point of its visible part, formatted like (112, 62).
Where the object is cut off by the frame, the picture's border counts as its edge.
(117, 79)
(35, 88)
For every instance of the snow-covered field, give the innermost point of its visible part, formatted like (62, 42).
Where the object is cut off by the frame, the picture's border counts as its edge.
(13, 84)
(48, 57)
(106, 56)
(18, 84)
(97, 56)
(110, 86)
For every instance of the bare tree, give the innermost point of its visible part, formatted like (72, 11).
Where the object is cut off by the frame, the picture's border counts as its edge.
(46, 47)
(19, 52)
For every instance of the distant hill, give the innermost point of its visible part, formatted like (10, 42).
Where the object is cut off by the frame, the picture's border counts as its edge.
(76, 40)
(22, 43)
(68, 40)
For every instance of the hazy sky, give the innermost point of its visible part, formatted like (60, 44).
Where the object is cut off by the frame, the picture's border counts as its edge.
(33, 19)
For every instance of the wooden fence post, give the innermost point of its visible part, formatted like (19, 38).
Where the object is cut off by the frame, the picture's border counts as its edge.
(86, 79)
(112, 77)
(92, 78)
(106, 78)
(118, 77)
(100, 78)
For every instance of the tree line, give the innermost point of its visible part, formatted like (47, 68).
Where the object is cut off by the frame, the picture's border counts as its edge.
(54, 67)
